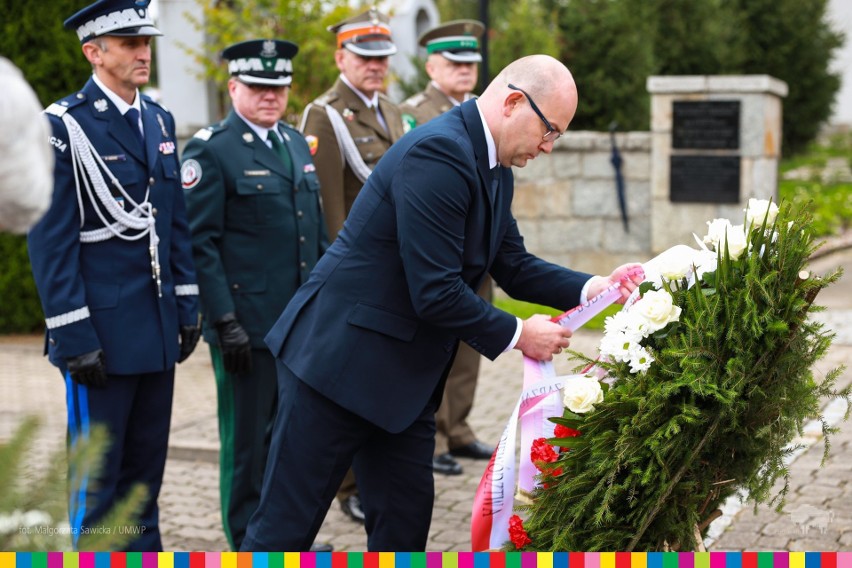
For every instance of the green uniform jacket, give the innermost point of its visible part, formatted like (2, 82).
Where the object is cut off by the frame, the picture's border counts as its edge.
(425, 105)
(257, 226)
(339, 183)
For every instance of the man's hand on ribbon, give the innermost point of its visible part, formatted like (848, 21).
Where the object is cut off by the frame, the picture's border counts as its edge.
(630, 275)
(541, 338)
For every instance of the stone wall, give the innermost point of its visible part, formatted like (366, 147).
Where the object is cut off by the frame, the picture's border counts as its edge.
(567, 206)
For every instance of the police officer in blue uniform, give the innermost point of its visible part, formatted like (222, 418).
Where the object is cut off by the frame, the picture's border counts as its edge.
(252, 193)
(113, 266)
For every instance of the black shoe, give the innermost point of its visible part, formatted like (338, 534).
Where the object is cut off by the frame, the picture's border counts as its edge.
(445, 464)
(476, 450)
(322, 547)
(352, 507)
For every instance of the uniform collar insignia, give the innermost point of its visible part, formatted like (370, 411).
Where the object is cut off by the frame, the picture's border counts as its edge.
(101, 105)
(348, 114)
(248, 137)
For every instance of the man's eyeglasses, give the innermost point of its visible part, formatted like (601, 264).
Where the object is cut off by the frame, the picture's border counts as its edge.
(552, 134)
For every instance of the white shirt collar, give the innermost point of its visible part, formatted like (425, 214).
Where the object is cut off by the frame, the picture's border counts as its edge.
(262, 133)
(370, 102)
(489, 139)
(119, 103)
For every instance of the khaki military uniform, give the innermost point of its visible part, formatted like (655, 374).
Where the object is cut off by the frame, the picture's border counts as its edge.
(425, 105)
(339, 184)
(453, 431)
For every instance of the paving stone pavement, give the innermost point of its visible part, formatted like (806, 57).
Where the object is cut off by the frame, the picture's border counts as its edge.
(818, 515)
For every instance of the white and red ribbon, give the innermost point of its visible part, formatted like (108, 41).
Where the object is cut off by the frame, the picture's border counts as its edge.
(540, 399)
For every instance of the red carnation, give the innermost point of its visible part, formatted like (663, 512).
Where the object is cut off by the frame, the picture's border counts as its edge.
(565, 432)
(517, 534)
(541, 451)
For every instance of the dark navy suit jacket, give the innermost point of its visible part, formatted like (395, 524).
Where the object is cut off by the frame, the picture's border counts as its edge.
(377, 323)
(112, 279)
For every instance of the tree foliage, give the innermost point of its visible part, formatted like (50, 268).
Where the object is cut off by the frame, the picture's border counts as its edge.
(792, 40)
(302, 22)
(48, 55)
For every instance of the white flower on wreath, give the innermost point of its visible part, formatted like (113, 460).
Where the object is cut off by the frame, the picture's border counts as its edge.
(716, 231)
(677, 266)
(737, 241)
(581, 394)
(757, 209)
(640, 360)
(657, 309)
(721, 231)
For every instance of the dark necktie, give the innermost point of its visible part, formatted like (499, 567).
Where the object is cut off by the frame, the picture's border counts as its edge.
(132, 118)
(279, 148)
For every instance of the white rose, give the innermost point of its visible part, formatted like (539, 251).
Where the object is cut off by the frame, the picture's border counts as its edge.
(737, 242)
(581, 394)
(675, 266)
(757, 209)
(657, 309)
(716, 230)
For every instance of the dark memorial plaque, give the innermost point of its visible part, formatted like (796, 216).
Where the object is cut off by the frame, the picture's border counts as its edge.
(706, 125)
(705, 179)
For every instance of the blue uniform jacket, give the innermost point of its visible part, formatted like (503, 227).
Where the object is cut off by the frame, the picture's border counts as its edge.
(376, 325)
(103, 295)
(257, 226)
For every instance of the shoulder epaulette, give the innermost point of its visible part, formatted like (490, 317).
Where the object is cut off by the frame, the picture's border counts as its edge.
(149, 100)
(326, 98)
(56, 109)
(415, 100)
(61, 106)
(208, 131)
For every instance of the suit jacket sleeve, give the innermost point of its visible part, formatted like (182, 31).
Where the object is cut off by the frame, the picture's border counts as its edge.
(526, 277)
(206, 207)
(330, 165)
(54, 249)
(435, 187)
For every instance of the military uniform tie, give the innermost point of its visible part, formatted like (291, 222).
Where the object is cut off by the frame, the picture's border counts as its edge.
(279, 148)
(132, 118)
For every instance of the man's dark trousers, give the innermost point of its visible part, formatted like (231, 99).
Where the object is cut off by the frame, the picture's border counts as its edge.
(394, 473)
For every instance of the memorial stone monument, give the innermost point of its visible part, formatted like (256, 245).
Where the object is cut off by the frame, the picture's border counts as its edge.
(716, 143)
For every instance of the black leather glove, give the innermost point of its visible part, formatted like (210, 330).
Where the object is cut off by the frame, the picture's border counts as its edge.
(189, 335)
(235, 345)
(88, 369)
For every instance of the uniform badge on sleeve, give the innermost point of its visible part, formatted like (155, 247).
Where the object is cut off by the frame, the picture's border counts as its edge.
(190, 174)
(313, 143)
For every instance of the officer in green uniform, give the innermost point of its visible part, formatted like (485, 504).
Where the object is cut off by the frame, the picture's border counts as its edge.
(453, 55)
(349, 127)
(252, 194)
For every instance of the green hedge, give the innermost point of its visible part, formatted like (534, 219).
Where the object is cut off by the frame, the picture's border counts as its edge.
(20, 309)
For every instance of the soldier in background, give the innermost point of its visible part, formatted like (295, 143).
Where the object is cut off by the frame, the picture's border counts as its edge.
(453, 55)
(252, 195)
(349, 128)
(353, 124)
